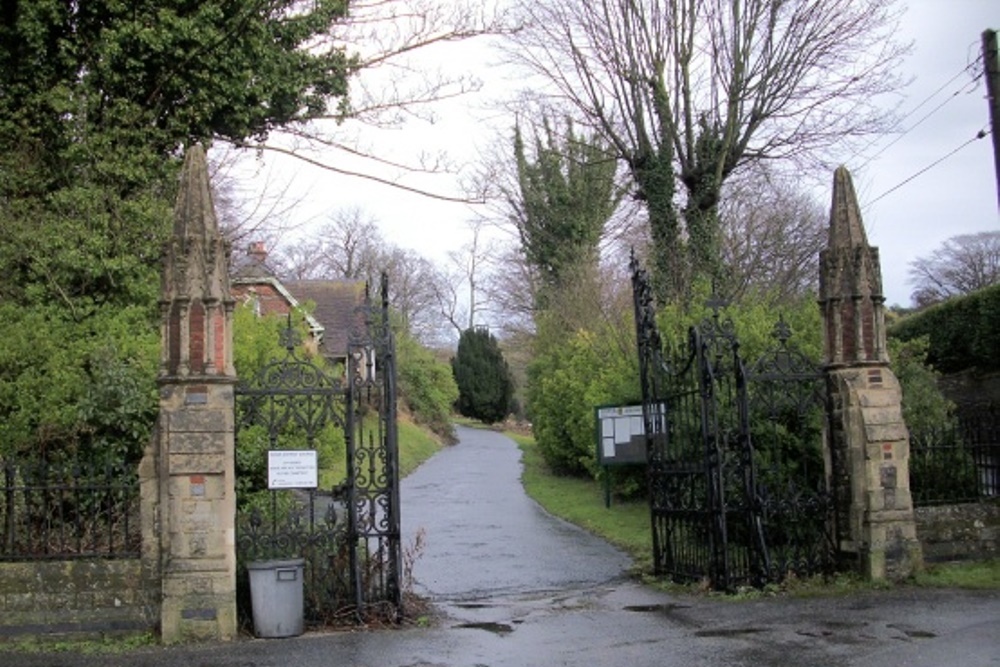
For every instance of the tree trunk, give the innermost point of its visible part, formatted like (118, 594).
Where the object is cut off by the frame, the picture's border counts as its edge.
(669, 270)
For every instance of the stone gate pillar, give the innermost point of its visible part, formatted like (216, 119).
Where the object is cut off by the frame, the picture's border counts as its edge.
(188, 474)
(869, 442)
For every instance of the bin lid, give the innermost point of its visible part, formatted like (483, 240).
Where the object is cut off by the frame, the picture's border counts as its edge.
(276, 564)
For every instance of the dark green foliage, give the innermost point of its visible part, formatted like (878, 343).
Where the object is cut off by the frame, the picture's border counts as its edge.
(963, 332)
(71, 388)
(96, 100)
(485, 386)
(924, 406)
(426, 385)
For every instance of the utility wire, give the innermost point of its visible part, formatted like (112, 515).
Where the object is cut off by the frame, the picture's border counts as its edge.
(969, 67)
(979, 135)
(909, 113)
(967, 89)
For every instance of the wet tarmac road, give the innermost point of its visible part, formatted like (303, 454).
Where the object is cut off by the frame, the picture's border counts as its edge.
(518, 588)
(484, 537)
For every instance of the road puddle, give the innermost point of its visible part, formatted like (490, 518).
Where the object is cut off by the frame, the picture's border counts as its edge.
(495, 628)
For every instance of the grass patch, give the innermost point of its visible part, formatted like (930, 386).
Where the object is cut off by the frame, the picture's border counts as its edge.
(975, 575)
(581, 502)
(111, 645)
(416, 445)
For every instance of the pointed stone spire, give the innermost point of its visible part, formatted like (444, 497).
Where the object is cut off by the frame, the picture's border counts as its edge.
(851, 284)
(846, 230)
(196, 307)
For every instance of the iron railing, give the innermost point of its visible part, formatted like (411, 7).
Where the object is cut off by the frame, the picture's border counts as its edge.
(61, 511)
(958, 461)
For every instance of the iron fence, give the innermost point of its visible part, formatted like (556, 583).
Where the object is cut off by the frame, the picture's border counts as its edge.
(958, 461)
(61, 511)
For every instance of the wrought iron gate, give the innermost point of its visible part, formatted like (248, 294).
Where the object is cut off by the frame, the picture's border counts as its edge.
(348, 533)
(737, 484)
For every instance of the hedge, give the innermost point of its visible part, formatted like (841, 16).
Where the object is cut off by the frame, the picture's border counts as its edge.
(964, 332)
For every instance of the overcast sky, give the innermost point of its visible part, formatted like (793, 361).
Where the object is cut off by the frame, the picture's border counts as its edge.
(958, 195)
(946, 108)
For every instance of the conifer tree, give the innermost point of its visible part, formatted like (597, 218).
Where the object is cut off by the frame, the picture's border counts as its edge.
(485, 386)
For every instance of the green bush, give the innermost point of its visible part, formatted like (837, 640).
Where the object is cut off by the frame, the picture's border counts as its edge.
(426, 386)
(77, 388)
(566, 383)
(924, 406)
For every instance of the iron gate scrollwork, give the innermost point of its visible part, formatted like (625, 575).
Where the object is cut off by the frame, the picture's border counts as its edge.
(788, 404)
(349, 535)
(736, 497)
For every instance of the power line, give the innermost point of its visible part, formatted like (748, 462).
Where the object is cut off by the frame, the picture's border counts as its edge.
(966, 89)
(979, 135)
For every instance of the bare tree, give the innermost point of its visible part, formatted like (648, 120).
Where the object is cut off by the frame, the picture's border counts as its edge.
(349, 246)
(963, 264)
(771, 236)
(413, 290)
(510, 287)
(460, 290)
(389, 88)
(698, 88)
(265, 214)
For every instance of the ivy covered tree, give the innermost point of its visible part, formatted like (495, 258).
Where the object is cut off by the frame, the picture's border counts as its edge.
(689, 92)
(566, 193)
(485, 386)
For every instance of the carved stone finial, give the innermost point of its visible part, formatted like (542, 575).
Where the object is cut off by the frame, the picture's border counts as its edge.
(850, 283)
(194, 213)
(196, 304)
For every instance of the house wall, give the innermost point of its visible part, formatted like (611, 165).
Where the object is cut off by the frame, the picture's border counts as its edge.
(970, 531)
(80, 597)
(269, 299)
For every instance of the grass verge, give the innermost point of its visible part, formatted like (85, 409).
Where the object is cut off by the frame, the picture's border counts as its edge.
(974, 575)
(416, 445)
(110, 645)
(626, 525)
(581, 502)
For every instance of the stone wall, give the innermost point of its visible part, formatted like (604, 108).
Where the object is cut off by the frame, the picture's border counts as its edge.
(82, 598)
(970, 531)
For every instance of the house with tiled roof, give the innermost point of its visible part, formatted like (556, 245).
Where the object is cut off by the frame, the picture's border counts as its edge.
(335, 303)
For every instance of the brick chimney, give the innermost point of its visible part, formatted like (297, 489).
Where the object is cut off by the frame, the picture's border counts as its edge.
(257, 251)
